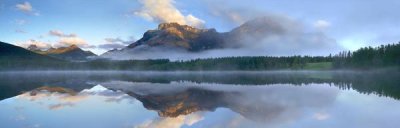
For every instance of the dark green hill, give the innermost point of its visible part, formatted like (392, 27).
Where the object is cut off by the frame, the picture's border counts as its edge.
(14, 57)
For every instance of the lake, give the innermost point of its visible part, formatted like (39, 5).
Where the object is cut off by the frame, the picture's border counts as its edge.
(106, 99)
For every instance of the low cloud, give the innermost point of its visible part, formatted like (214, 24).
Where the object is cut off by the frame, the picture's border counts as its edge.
(165, 11)
(27, 8)
(280, 35)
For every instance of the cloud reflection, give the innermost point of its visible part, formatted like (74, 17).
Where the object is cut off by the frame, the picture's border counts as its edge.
(64, 97)
(169, 122)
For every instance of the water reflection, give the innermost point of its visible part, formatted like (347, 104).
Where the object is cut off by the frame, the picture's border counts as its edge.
(257, 103)
(381, 83)
(280, 99)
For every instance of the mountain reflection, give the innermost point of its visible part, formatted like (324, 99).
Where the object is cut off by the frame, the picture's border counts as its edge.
(182, 103)
(382, 84)
(256, 103)
(64, 97)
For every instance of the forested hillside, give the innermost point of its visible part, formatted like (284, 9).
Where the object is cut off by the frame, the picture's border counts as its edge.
(369, 57)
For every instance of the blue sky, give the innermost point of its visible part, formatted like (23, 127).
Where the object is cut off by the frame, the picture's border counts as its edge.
(352, 23)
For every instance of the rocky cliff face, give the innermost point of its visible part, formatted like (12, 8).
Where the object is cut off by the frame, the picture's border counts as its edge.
(72, 53)
(181, 36)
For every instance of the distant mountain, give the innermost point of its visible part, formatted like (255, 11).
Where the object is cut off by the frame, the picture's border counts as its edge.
(174, 35)
(12, 56)
(72, 53)
(253, 30)
(110, 52)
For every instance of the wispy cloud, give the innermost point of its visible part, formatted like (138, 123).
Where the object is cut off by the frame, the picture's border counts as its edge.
(20, 22)
(20, 31)
(59, 33)
(27, 8)
(113, 40)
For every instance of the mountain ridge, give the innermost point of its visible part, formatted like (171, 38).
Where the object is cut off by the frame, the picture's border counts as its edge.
(72, 53)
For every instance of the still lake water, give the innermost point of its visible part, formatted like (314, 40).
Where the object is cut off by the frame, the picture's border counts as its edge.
(199, 99)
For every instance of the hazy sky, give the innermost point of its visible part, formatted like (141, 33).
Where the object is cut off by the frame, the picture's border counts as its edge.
(98, 25)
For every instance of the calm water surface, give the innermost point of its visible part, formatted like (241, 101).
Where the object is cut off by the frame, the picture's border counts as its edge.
(199, 99)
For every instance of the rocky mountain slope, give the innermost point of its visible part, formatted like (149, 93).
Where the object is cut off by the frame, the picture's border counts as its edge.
(181, 36)
(72, 53)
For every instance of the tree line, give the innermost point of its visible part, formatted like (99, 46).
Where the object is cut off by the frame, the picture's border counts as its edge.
(369, 57)
(364, 58)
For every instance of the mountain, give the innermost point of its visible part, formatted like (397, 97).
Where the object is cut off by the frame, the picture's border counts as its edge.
(181, 36)
(9, 52)
(253, 30)
(72, 53)
(110, 52)
(12, 57)
(174, 35)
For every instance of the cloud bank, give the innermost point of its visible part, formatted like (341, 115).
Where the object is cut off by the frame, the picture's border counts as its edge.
(280, 35)
(164, 11)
